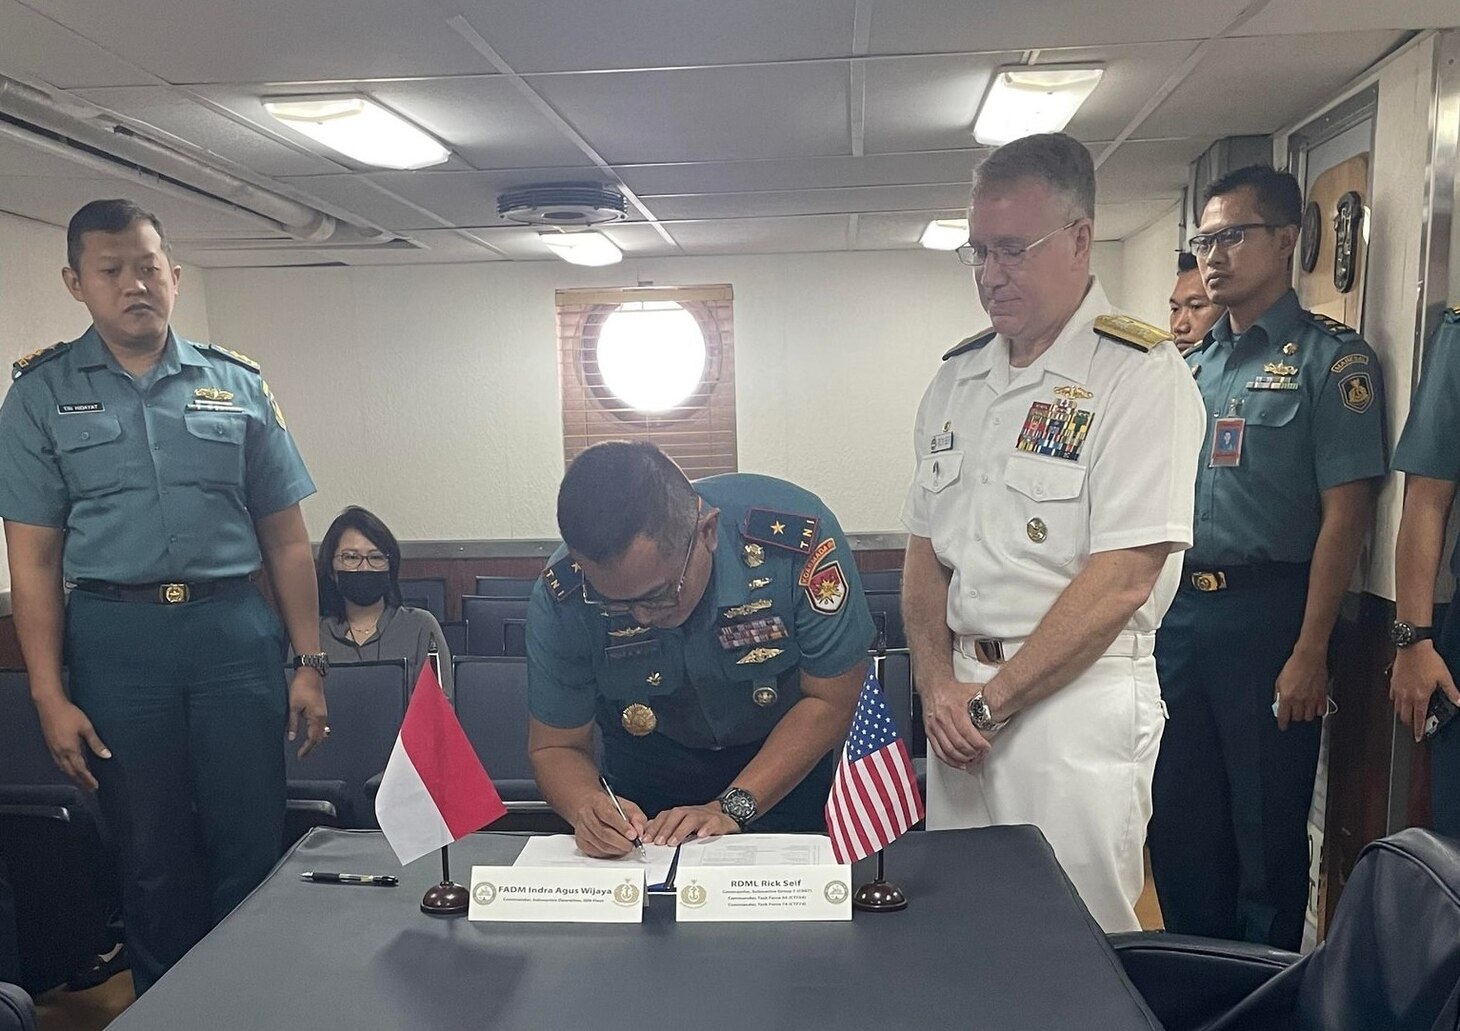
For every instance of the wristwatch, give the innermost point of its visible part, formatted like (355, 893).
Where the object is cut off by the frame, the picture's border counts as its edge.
(739, 805)
(317, 661)
(983, 719)
(1405, 634)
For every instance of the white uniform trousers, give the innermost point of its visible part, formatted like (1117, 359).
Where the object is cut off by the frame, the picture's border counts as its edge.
(1078, 765)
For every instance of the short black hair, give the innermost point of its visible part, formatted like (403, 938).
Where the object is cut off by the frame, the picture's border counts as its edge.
(1279, 197)
(1059, 160)
(1185, 262)
(107, 216)
(370, 525)
(618, 490)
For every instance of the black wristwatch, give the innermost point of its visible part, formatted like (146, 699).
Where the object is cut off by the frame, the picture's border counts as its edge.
(739, 805)
(1405, 634)
(317, 661)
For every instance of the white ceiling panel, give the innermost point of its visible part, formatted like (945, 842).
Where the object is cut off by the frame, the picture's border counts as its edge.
(55, 199)
(1256, 84)
(521, 243)
(1304, 16)
(34, 46)
(944, 26)
(470, 198)
(194, 41)
(763, 235)
(707, 114)
(1149, 169)
(931, 168)
(1115, 220)
(892, 232)
(557, 35)
(808, 202)
(358, 195)
(175, 112)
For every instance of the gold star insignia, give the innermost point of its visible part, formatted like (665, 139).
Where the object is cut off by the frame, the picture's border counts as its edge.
(778, 527)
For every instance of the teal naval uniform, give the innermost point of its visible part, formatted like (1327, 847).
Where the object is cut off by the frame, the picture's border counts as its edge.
(683, 710)
(1295, 406)
(171, 652)
(1430, 446)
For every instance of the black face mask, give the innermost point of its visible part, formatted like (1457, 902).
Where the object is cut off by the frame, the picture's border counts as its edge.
(364, 587)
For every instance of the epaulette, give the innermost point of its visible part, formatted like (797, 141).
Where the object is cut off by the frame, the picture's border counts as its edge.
(35, 358)
(780, 529)
(233, 356)
(563, 577)
(972, 343)
(1124, 329)
(1452, 315)
(1333, 327)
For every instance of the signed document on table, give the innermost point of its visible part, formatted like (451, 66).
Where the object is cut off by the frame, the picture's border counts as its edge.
(734, 850)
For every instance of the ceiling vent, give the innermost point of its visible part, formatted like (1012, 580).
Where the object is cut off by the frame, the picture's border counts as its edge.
(562, 204)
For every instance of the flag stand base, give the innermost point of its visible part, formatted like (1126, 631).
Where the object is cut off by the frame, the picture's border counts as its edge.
(879, 897)
(445, 899)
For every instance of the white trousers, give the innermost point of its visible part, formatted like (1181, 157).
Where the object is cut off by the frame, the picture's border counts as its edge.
(1077, 765)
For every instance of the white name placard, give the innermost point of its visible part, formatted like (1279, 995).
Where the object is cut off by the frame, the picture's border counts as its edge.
(556, 895)
(722, 893)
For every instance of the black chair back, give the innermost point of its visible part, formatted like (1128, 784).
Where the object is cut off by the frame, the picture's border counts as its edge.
(491, 703)
(886, 609)
(505, 586)
(428, 594)
(880, 579)
(495, 626)
(367, 701)
(455, 633)
(24, 757)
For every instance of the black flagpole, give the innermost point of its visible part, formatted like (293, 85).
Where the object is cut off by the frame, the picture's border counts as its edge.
(878, 896)
(447, 898)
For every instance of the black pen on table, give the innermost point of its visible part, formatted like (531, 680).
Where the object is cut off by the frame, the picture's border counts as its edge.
(379, 880)
(638, 844)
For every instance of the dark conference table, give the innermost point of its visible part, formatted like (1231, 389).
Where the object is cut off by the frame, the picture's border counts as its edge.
(994, 937)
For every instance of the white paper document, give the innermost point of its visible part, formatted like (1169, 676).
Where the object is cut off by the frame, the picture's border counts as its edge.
(561, 850)
(759, 850)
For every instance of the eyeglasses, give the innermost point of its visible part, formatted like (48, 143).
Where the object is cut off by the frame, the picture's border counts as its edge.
(352, 560)
(1232, 236)
(659, 602)
(976, 255)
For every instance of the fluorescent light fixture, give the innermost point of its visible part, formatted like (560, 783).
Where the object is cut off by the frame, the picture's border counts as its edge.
(945, 234)
(1022, 101)
(360, 129)
(584, 248)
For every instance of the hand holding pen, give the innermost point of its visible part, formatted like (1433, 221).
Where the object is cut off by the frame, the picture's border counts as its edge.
(632, 832)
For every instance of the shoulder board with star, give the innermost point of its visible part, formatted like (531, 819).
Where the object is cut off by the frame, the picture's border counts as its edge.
(1132, 332)
(972, 343)
(235, 357)
(563, 578)
(780, 529)
(37, 358)
(1333, 327)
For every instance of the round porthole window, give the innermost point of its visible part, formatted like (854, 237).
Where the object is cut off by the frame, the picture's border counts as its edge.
(651, 354)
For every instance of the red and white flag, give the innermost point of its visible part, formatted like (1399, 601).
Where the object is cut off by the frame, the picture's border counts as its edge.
(435, 790)
(874, 797)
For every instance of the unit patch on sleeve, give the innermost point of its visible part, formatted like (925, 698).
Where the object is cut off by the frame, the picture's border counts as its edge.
(1357, 391)
(827, 589)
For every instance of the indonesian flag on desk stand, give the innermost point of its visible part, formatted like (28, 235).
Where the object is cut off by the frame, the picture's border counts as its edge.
(435, 790)
(874, 797)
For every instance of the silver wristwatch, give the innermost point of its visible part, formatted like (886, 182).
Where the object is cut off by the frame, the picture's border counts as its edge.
(983, 719)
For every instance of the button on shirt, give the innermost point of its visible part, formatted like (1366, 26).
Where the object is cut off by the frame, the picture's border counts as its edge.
(701, 683)
(1312, 399)
(1023, 474)
(1430, 444)
(154, 478)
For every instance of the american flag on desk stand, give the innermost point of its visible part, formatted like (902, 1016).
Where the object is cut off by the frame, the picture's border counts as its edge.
(874, 797)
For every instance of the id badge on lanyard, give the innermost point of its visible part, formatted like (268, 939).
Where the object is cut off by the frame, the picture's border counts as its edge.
(1227, 437)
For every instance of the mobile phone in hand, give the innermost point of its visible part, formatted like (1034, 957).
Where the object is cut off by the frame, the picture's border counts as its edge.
(1441, 711)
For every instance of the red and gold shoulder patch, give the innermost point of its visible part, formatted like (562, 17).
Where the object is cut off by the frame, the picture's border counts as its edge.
(823, 549)
(826, 590)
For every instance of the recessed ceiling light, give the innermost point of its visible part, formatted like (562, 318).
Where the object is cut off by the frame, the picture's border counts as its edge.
(585, 248)
(360, 129)
(1022, 101)
(945, 234)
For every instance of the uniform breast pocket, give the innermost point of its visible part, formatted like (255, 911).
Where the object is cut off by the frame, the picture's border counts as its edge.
(88, 447)
(1277, 409)
(213, 450)
(937, 472)
(1050, 522)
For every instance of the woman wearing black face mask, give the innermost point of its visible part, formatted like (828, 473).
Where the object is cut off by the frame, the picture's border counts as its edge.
(361, 615)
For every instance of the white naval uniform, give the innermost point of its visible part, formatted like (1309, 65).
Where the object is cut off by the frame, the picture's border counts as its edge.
(1016, 526)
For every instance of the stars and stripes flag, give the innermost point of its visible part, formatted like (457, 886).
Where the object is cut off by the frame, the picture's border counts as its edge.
(874, 797)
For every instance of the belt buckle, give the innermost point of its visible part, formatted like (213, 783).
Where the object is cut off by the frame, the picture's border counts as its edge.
(1208, 582)
(173, 594)
(989, 650)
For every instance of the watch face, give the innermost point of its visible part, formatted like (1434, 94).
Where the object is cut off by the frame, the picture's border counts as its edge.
(738, 805)
(1402, 634)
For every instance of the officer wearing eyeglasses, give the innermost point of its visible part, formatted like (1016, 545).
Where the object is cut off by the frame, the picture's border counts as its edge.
(716, 633)
(1293, 454)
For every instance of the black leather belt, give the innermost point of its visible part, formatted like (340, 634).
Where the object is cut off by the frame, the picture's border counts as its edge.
(1228, 578)
(176, 593)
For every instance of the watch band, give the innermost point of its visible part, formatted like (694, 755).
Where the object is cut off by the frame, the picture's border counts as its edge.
(317, 661)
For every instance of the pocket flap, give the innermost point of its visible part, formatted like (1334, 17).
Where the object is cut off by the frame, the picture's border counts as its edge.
(937, 471)
(1276, 409)
(225, 427)
(77, 432)
(1044, 479)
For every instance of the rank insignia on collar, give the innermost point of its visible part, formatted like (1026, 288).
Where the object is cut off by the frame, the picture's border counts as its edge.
(758, 655)
(753, 554)
(629, 631)
(780, 529)
(1073, 393)
(1280, 369)
(213, 394)
(826, 590)
(748, 609)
